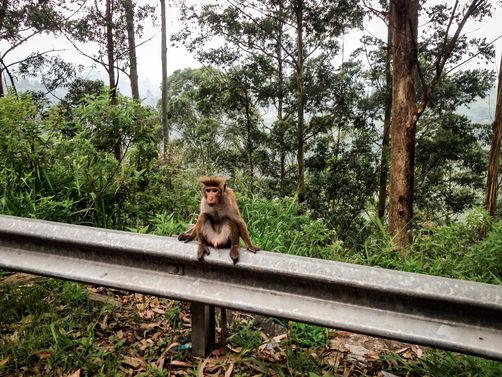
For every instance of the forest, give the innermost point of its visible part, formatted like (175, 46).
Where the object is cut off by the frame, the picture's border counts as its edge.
(365, 154)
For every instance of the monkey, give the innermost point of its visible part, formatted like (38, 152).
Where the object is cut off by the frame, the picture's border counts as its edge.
(219, 224)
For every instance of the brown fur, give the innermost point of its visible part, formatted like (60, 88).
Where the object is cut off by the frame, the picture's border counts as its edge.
(220, 224)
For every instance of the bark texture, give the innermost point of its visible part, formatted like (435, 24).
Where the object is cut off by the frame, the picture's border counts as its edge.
(404, 21)
(165, 127)
(131, 42)
(493, 163)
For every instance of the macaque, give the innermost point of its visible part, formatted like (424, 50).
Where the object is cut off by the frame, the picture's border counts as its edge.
(220, 224)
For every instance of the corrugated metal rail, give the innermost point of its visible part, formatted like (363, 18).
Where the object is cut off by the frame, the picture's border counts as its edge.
(432, 311)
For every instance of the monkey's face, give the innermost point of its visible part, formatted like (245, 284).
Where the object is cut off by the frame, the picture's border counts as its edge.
(212, 195)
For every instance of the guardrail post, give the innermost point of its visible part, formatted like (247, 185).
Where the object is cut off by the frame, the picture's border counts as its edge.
(203, 328)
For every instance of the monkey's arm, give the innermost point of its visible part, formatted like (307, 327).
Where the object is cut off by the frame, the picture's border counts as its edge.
(243, 230)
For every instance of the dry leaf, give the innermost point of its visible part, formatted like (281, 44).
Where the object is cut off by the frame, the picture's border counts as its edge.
(4, 362)
(179, 363)
(43, 354)
(278, 338)
(234, 349)
(149, 314)
(159, 311)
(134, 362)
(75, 374)
(202, 367)
(230, 369)
(160, 362)
(402, 350)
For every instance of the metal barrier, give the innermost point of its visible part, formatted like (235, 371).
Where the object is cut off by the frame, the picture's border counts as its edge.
(432, 311)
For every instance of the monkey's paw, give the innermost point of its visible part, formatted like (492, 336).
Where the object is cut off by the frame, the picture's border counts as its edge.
(234, 255)
(201, 252)
(253, 248)
(185, 237)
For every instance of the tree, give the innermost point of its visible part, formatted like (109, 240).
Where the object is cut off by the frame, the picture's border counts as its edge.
(404, 21)
(257, 31)
(108, 28)
(494, 161)
(163, 52)
(131, 42)
(405, 112)
(21, 20)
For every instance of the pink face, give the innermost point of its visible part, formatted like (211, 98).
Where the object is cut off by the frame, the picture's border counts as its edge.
(212, 195)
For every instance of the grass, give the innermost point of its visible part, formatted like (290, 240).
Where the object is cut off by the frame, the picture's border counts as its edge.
(53, 328)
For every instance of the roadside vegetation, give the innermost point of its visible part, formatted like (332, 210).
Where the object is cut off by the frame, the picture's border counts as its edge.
(301, 135)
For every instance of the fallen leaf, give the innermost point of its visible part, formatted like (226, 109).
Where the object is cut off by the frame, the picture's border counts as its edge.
(104, 323)
(202, 367)
(134, 362)
(75, 374)
(160, 362)
(345, 334)
(43, 354)
(4, 362)
(278, 338)
(402, 350)
(149, 314)
(229, 371)
(234, 349)
(179, 363)
(159, 311)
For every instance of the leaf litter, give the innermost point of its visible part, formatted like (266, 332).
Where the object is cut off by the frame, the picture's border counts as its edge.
(154, 333)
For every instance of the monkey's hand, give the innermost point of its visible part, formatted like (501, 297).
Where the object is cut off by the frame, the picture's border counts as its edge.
(253, 248)
(201, 251)
(186, 237)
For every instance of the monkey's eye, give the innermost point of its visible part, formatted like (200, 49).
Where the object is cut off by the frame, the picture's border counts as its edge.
(211, 190)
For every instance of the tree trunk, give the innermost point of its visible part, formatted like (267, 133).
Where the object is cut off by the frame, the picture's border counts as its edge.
(493, 163)
(110, 49)
(2, 93)
(131, 41)
(280, 98)
(404, 20)
(249, 141)
(165, 128)
(300, 100)
(384, 159)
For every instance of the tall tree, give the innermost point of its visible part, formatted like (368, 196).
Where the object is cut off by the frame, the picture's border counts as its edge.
(306, 28)
(163, 52)
(404, 21)
(108, 29)
(405, 112)
(21, 20)
(300, 100)
(494, 161)
(131, 42)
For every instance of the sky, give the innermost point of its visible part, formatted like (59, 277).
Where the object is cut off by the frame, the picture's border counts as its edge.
(149, 60)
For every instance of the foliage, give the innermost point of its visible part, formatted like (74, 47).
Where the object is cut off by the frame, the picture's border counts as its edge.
(282, 225)
(458, 250)
(63, 336)
(444, 364)
(46, 175)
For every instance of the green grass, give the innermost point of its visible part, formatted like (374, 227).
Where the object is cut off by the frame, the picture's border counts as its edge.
(50, 327)
(53, 328)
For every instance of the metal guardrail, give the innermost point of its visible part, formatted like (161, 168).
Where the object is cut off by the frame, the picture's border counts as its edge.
(432, 311)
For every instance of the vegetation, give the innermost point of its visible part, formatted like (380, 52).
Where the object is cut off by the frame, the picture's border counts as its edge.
(303, 141)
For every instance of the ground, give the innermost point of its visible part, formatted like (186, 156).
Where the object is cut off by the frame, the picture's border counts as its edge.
(152, 336)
